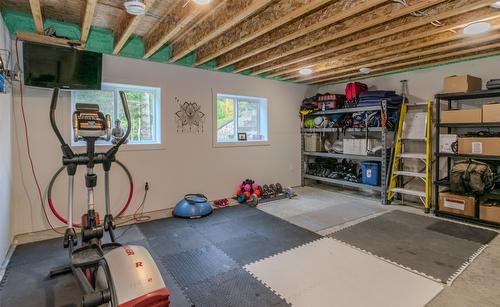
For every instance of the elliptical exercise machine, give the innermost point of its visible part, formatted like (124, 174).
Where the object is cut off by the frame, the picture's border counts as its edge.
(109, 274)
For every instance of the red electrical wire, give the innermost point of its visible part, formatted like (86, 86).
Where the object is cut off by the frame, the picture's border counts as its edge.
(28, 148)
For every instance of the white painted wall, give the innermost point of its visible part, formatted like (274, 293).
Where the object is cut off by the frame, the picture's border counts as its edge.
(425, 83)
(5, 156)
(188, 163)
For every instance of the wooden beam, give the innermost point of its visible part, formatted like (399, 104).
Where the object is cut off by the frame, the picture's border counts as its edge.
(372, 38)
(36, 11)
(436, 59)
(415, 65)
(382, 20)
(390, 48)
(226, 17)
(331, 14)
(126, 27)
(48, 40)
(88, 15)
(270, 18)
(409, 53)
(175, 22)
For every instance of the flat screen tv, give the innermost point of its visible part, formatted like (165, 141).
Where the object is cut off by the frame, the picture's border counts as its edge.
(66, 68)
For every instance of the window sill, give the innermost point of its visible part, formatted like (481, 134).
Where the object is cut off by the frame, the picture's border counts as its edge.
(125, 147)
(241, 144)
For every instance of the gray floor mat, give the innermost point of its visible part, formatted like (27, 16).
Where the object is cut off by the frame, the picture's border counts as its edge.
(412, 245)
(196, 265)
(333, 216)
(461, 231)
(174, 241)
(235, 288)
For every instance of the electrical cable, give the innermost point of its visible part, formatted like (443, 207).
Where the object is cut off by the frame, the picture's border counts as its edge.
(137, 217)
(28, 148)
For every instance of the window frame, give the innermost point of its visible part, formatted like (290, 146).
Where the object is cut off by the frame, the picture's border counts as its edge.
(134, 145)
(263, 108)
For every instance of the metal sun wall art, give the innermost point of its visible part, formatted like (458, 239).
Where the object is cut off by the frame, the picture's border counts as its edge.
(189, 118)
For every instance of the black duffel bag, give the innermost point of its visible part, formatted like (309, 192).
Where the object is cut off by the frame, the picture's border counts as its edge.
(471, 177)
(493, 84)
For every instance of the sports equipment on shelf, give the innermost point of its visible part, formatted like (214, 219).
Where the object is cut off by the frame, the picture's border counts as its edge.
(109, 274)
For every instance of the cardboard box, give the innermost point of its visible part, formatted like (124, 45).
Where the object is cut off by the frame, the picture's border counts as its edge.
(479, 146)
(491, 113)
(489, 213)
(464, 116)
(462, 84)
(313, 142)
(446, 142)
(359, 146)
(457, 204)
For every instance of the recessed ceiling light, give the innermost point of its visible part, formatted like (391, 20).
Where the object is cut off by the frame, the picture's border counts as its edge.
(477, 28)
(365, 70)
(202, 1)
(496, 5)
(135, 7)
(306, 71)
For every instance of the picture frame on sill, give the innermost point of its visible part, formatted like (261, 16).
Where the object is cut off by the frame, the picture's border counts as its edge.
(242, 136)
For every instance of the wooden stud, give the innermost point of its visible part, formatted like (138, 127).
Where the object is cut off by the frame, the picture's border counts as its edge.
(269, 19)
(326, 61)
(336, 12)
(128, 23)
(369, 54)
(396, 65)
(36, 11)
(48, 40)
(413, 65)
(88, 15)
(349, 29)
(175, 22)
(421, 51)
(233, 12)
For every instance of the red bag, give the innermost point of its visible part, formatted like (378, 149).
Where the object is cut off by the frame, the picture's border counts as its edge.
(354, 89)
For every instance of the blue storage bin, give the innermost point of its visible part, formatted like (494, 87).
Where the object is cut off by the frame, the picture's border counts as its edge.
(370, 173)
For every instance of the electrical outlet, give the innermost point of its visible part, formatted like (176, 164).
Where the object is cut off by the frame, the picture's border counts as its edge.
(146, 186)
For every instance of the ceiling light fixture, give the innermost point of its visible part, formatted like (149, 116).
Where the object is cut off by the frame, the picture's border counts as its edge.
(496, 5)
(365, 70)
(202, 1)
(135, 7)
(477, 28)
(306, 71)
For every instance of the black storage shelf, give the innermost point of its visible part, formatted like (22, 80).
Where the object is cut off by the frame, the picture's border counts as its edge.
(466, 156)
(469, 125)
(439, 183)
(470, 95)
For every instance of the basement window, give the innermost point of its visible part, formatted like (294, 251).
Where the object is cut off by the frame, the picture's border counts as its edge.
(241, 120)
(144, 105)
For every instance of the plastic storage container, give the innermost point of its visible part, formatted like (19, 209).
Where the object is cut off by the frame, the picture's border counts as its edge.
(370, 173)
(313, 142)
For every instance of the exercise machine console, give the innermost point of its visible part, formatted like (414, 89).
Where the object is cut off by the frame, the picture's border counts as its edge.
(109, 274)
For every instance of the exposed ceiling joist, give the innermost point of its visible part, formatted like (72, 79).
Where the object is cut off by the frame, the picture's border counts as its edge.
(417, 51)
(439, 12)
(226, 17)
(331, 14)
(88, 15)
(127, 26)
(404, 40)
(465, 55)
(48, 40)
(175, 22)
(270, 18)
(348, 27)
(36, 11)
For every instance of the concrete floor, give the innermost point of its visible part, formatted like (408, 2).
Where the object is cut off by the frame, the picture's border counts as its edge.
(478, 285)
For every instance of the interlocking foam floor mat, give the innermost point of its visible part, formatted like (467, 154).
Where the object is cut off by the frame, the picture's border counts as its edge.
(329, 273)
(438, 249)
